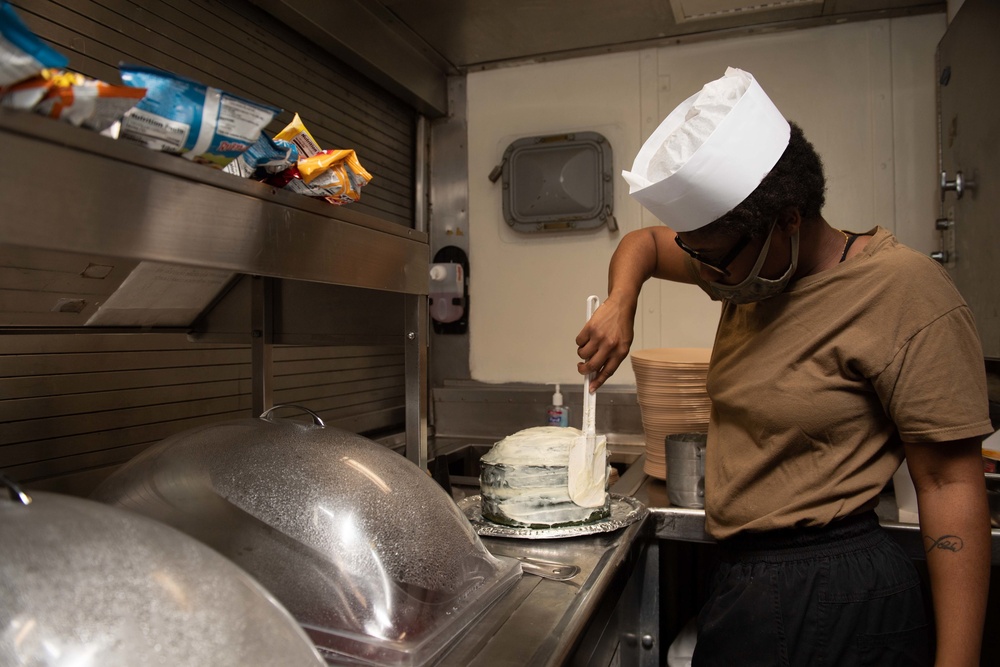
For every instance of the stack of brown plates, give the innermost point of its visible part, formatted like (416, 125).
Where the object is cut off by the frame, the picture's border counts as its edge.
(670, 387)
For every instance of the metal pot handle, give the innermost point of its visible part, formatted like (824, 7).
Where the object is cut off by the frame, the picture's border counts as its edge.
(316, 420)
(15, 491)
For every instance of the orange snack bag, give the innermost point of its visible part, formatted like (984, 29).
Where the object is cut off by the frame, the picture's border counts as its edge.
(87, 102)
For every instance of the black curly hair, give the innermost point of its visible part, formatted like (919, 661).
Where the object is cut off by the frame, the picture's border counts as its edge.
(796, 181)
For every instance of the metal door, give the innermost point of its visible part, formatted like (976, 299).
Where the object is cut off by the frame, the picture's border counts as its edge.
(968, 69)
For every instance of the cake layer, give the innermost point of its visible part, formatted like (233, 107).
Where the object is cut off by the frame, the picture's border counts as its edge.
(533, 496)
(524, 481)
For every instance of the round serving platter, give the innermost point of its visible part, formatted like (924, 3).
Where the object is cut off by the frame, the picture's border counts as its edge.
(624, 511)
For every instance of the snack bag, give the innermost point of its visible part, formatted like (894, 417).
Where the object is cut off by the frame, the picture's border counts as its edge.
(87, 102)
(25, 95)
(297, 133)
(335, 175)
(22, 54)
(186, 118)
(266, 156)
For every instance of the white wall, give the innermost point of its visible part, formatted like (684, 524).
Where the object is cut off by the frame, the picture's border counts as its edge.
(863, 93)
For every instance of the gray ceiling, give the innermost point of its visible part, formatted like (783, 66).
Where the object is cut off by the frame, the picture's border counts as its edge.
(410, 45)
(477, 33)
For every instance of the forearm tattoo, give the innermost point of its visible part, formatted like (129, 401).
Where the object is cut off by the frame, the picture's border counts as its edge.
(944, 543)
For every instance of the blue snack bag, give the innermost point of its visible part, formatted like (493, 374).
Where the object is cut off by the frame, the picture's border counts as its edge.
(267, 156)
(187, 118)
(22, 54)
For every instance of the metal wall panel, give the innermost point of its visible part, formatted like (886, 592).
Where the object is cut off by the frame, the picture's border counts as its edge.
(969, 144)
(75, 406)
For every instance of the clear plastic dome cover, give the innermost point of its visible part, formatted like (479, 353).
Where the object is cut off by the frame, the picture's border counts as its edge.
(369, 554)
(87, 585)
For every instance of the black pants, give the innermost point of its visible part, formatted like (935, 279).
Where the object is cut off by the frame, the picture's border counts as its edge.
(844, 595)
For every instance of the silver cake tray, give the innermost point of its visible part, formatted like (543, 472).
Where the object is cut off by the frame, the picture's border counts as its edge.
(624, 511)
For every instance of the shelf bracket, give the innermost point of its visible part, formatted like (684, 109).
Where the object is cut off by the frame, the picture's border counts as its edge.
(415, 360)
(262, 344)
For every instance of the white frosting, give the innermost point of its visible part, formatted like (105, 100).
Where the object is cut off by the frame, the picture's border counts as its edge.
(538, 446)
(525, 478)
(588, 476)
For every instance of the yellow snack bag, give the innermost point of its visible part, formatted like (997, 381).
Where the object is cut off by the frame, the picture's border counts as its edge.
(336, 175)
(297, 133)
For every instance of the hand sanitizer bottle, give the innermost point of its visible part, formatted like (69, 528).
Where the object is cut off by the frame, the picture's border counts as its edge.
(558, 413)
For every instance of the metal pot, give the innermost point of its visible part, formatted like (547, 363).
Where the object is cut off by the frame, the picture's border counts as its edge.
(366, 551)
(85, 584)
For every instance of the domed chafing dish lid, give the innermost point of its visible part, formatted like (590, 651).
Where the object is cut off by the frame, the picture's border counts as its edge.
(366, 551)
(89, 585)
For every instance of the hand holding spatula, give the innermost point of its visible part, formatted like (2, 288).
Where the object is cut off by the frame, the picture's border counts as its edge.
(588, 454)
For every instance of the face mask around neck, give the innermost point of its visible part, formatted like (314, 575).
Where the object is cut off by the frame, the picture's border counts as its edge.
(753, 287)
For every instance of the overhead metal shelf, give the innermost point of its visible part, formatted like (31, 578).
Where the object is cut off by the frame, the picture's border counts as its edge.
(67, 189)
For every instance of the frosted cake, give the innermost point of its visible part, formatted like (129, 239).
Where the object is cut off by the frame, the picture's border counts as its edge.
(524, 481)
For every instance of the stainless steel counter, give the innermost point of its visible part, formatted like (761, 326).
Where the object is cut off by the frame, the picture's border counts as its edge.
(543, 622)
(678, 523)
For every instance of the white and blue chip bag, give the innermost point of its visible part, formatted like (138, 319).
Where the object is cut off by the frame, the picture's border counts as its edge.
(181, 116)
(267, 156)
(22, 53)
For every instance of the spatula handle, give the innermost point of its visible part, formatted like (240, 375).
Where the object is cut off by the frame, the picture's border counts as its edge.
(589, 397)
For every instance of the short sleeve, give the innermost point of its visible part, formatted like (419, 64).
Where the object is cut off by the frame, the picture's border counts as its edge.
(934, 388)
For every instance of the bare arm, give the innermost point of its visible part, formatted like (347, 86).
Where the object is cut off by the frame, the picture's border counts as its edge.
(955, 525)
(642, 254)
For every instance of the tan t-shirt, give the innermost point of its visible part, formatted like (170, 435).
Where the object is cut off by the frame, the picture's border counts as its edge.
(814, 390)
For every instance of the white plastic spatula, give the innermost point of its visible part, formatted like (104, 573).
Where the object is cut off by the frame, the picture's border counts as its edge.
(588, 454)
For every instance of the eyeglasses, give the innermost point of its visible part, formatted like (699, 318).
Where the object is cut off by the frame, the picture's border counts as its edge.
(719, 265)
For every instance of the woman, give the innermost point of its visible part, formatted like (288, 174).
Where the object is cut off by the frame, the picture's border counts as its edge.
(836, 353)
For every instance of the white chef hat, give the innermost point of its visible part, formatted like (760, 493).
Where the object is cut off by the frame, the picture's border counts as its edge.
(709, 153)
